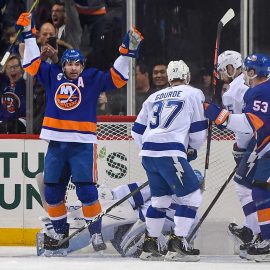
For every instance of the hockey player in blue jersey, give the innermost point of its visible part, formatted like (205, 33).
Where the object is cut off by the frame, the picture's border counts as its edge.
(231, 70)
(70, 127)
(171, 120)
(255, 118)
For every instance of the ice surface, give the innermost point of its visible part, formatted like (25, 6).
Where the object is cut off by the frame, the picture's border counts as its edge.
(24, 258)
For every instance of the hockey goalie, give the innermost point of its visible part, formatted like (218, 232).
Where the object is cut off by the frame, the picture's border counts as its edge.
(124, 226)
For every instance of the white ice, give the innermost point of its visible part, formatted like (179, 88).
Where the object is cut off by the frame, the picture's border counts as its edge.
(24, 258)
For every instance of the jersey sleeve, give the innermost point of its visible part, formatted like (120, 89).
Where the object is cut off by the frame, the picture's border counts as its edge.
(116, 77)
(140, 125)
(199, 124)
(31, 57)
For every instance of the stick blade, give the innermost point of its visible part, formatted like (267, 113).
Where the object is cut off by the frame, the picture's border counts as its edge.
(228, 16)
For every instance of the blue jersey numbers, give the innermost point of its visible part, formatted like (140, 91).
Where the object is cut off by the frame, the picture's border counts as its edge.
(164, 121)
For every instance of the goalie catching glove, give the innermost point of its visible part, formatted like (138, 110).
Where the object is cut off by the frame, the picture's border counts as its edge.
(216, 114)
(131, 43)
(26, 22)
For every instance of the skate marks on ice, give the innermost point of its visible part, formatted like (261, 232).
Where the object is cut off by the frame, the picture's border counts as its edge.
(24, 258)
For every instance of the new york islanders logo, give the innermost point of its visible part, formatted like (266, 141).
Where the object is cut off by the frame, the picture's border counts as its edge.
(67, 96)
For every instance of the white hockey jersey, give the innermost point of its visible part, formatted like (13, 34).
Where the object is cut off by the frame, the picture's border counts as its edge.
(169, 121)
(233, 100)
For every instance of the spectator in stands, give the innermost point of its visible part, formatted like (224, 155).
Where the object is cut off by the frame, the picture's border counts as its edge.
(142, 85)
(64, 24)
(159, 77)
(49, 53)
(205, 83)
(13, 97)
(8, 38)
(102, 106)
(92, 20)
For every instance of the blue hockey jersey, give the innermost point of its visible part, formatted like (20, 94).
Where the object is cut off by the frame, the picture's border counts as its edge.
(70, 113)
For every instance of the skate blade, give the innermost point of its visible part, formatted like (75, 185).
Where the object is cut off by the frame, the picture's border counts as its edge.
(180, 257)
(262, 258)
(148, 256)
(40, 244)
(243, 254)
(55, 253)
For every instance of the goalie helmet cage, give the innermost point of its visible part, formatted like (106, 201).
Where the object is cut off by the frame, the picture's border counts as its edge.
(119, 163)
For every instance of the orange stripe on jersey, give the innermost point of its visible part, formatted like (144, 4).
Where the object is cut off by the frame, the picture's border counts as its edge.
(92, 210)
(33, 68)
(264, 215)
(69, 125)
(92, 11)
(255, 120)
(264, 142)
(55, 211)
(95, 175)
(117, 80)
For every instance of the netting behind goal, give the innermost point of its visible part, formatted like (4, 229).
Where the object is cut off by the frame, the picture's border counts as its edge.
(119, 163)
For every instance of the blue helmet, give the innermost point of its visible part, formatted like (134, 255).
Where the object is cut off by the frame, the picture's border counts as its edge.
(72, 56)
(260, 63)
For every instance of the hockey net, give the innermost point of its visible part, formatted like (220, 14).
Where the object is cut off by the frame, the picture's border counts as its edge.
(119, 163)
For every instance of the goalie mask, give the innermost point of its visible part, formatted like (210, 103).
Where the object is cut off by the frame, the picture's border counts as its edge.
(229, 58)
(178, 70)
(260, 63)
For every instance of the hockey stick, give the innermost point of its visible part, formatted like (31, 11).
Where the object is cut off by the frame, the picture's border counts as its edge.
(8, 52)
(102, 213)
(225, 19)
(211, 205)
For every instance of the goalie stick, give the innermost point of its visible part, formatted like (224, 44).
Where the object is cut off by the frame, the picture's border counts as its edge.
(225, 19)
(211, 205)
(7, 54)
(103, 213)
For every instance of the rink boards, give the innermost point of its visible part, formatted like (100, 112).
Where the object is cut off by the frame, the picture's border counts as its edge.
(118, 163)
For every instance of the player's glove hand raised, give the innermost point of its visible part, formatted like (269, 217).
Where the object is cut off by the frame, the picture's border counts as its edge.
(216, 114)
(26, 22)
(131, 43)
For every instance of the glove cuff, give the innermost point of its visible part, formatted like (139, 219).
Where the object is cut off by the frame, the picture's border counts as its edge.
(27, 34)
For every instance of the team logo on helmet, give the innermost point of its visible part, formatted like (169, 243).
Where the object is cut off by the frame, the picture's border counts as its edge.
(253, 57)
(67, 96)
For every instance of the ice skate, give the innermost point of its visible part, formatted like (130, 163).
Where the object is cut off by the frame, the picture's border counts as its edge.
(98, 242)
(260, 252)
(243, 248)
(240, 235)
(150, 249)
(179, 250)
(51, 246)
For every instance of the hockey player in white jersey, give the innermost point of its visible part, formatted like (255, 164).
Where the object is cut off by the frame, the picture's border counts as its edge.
(231, 70)
(171, 120)
(254, 118)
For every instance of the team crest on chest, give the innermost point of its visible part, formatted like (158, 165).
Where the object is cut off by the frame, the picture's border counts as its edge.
(67, 96)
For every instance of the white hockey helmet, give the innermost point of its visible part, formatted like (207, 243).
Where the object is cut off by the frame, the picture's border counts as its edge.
(229, 58)
(178, 70)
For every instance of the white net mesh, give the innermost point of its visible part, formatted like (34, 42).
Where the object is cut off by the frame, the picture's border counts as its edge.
(119, 163)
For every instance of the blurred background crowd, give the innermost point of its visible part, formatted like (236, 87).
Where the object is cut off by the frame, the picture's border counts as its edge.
(173, 30)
